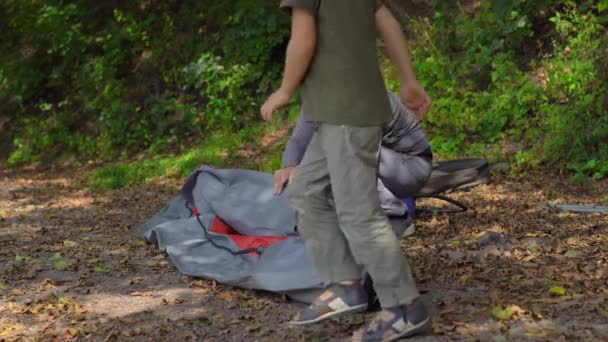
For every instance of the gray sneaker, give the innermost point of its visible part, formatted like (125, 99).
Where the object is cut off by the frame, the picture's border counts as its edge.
(409, 231)
(335, 301)
(395, 323)
(403, 226)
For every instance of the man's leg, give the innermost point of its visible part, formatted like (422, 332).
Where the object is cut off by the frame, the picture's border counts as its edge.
(352, 156)
(401, 221)
(310, 197)
(403, 174)
(391, 204)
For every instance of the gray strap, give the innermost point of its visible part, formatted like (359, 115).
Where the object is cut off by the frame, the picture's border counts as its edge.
(578, 208)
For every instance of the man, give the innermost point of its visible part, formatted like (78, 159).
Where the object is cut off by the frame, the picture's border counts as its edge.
(404, 167)
(332, 55)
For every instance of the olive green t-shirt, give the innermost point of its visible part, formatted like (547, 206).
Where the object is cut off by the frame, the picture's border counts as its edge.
(344, 85)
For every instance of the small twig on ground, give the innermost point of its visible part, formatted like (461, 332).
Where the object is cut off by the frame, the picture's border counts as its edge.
(109, 335)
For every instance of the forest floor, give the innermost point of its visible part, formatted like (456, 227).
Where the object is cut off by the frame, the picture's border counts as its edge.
(72, 266)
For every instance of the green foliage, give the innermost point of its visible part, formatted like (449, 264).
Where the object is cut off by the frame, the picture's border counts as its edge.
(469, 66)
(557, 290)
(221, 88)
(211, 151)
(529, 74)
(576, 90)
(101, 269)
(519, 79)
(106, 80)
(219, 149)
(502, 313)
(59, 262)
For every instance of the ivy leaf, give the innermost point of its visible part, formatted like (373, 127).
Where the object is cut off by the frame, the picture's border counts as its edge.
(56, 257)
(573, 254)
(502, 314)
(533, 248)
(502, 8)
(60, 265)
(59, 262)
(101, 269)
(557, 290)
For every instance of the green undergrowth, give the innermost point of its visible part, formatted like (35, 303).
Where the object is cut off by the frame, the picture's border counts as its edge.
(219, 149)
(518, 80)
(111, 80)
(522, 81)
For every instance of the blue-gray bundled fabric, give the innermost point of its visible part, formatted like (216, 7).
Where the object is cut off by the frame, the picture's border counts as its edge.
(244, 202)
(227, 225)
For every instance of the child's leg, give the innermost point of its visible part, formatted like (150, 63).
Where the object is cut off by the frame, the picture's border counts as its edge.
(310, 197)
(352, 156)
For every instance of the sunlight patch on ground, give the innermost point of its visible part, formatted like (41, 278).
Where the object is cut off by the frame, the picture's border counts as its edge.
(116, 305)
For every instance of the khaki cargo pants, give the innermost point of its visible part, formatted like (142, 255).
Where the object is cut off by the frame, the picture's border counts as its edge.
(339, 216)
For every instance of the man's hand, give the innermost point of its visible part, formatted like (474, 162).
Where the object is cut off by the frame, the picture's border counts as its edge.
(300, 50)
(276, 101)
(413, 95)
(282, 178)
(415, 98)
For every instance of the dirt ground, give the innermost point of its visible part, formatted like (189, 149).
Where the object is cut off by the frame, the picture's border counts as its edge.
(72, 267)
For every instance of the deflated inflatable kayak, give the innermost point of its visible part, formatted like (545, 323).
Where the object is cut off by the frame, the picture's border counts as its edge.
(454, 175)
(228, 226)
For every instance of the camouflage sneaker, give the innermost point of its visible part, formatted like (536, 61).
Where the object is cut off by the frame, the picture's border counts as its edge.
(394, 323)
(336, 300)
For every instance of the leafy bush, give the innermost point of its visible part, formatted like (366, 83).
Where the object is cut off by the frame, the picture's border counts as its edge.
(576, 107)
(518, 79)
(222, 89)
(109, 79)
(496, 82)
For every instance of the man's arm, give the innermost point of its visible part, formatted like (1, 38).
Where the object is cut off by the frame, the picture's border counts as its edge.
(412, 93)
(293, 154)
(298, 142)
(300, 51)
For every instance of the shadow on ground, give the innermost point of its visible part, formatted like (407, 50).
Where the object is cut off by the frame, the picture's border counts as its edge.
(72, 266)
